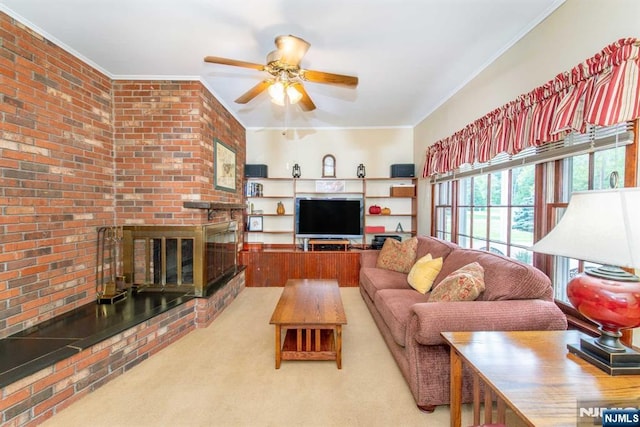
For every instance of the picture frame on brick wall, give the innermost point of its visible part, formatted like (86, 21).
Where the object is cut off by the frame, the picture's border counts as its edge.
(225, 167)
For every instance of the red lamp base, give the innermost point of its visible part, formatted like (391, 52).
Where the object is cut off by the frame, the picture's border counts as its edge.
(614, 305)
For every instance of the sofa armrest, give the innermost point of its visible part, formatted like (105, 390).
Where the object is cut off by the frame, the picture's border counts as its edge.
(368, 258)
(429, 319)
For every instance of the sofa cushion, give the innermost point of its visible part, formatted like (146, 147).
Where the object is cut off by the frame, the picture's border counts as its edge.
(504, 278)
(464, 284)
(398, 256)
(394, 306)
(424, 272)
(373, 279)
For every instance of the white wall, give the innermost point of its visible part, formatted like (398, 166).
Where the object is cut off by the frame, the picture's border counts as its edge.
(574, 32)
(376, 148)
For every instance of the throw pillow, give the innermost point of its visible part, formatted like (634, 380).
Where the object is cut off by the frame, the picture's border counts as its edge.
(424, 272)
(464, 284)
(398, 256)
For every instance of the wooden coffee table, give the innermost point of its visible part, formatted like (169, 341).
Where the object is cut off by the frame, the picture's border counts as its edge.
(311, 313)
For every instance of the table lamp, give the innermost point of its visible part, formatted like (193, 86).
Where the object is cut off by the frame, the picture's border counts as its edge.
(603, 227)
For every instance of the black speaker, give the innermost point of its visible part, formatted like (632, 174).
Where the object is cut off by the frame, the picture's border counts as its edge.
(403, 170)
(255, 171)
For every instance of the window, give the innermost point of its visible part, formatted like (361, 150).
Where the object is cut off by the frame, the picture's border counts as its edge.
(494, 212)
(493, 206)
(593, 171)
(443, 211)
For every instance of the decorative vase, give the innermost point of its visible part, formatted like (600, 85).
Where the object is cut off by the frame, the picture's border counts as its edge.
(611, 304)
(280, 209)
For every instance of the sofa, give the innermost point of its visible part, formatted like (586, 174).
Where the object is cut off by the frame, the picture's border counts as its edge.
(516, 296)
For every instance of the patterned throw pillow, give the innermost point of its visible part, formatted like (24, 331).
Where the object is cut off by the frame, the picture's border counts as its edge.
(424, 272)
(398, 256)
(464, 284)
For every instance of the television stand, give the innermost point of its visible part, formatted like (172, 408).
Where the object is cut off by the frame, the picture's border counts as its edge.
(328, 244)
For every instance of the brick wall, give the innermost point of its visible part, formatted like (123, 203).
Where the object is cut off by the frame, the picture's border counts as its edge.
(56, 168)
(164, 132)
(71, 138)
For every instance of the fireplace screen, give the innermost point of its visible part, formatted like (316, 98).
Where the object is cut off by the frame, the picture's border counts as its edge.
(179, 258)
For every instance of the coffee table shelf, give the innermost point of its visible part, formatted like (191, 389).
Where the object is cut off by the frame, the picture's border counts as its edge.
(309, 344)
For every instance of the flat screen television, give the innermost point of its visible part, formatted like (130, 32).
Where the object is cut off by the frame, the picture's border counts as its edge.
(329, 218)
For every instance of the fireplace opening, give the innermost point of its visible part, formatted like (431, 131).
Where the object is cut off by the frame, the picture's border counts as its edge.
(179, 258)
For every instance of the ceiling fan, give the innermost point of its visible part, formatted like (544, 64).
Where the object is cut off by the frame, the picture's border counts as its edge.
(286, 76)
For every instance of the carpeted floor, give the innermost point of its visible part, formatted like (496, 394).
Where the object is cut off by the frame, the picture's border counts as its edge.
(225, 375)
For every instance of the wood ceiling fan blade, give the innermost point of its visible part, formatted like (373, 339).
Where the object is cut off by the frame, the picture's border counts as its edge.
(253, 92)
(233, 62)
(291, 49)
(305, 102)
(322, 77)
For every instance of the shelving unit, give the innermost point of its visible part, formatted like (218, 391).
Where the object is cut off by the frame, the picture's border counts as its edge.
(279, 230)
(403, 218)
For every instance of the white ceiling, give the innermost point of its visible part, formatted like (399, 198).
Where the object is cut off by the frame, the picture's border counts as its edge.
(410, 55)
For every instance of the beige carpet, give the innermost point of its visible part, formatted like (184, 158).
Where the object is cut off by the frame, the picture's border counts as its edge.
(225, 375)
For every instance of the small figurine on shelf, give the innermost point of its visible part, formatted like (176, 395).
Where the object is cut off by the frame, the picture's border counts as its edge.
(280, 209)
(360, 172)
(296, 172)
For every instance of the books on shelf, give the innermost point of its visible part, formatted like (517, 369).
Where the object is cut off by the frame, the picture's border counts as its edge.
(253, 189)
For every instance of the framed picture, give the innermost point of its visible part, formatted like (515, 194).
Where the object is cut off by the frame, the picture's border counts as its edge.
(254, 223)
(225, 167)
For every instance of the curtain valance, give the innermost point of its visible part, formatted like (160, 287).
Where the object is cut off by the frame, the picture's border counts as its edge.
(603, 90)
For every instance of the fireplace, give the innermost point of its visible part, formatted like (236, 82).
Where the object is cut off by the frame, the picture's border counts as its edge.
(179, 258)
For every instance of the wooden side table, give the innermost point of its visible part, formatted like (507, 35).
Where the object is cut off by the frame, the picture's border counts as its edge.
(533, 373)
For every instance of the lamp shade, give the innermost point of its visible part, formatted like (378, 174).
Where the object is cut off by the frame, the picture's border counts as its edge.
(601, 226)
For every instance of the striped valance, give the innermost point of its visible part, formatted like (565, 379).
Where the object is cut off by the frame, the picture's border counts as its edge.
(603, 90)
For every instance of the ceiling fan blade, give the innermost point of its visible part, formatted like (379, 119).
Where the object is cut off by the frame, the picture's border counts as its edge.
(322, 77)
(305, 102)
(253, 92)
(234, 62)
(291, 49)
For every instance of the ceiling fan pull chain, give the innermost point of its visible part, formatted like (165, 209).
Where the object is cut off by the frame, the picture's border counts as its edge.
(286, 114)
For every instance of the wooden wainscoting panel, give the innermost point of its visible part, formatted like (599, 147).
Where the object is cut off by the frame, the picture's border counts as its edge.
(274, 268)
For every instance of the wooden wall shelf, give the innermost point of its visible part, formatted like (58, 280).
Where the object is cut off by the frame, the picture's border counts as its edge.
(211, 207)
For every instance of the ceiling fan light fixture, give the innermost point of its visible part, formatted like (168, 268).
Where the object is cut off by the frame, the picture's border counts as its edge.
(278, 91)
(293, 94)
(284, 82)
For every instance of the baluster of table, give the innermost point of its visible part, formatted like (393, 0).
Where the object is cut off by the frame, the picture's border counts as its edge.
(476, 399)
(488, 406)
